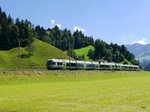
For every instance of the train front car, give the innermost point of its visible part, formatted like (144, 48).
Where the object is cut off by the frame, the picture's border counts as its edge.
(48, 64)
(54, 64)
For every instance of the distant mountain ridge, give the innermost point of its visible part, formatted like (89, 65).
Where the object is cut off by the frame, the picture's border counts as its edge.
(137, 49)
(141, 52)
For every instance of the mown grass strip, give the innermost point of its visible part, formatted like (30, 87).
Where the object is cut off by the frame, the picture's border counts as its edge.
(75, 92)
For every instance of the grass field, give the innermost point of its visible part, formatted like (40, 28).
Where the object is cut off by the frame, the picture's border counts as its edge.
(74, 92)
(84, 51)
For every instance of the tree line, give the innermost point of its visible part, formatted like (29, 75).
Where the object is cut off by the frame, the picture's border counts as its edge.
(63, 39)
(112, 53)
(11, 32)
(14, 31)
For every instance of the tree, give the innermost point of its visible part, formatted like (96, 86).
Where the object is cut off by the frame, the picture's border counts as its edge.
(30, 49)
(125, 61)
(100, 48)
(83, 57)
(14, 36)
(135, 62)
(41, 34)
(10, 20)
(108, 53)
(11, 32)
(78, 39)
(71, 53)
(91, 53)
(109, 59)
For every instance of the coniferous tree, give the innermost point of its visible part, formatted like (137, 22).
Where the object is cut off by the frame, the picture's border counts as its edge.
(100, 49)
(11, 32)
(91, 54)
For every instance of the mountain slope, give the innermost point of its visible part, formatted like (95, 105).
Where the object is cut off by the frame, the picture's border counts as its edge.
(141, 52)
(137, 49)
(42, 52)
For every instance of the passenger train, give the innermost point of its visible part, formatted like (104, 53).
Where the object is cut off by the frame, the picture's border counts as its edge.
(88, 65)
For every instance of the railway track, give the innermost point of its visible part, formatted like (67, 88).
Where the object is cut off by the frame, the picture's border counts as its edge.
(56, 70)
(5, 70)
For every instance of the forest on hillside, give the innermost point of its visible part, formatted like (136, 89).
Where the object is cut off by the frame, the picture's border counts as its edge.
(13, 32)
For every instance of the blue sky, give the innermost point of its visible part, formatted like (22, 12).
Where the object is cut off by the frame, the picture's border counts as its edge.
(117, 21)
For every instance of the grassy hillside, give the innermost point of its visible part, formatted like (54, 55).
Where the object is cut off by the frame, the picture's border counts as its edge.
(42, 52)
(74, 92)
(84, 51)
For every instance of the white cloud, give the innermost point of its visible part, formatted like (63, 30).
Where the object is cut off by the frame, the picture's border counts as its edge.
(79, 29)
(143, 42)
(53, 24)
(52, 21)
(58, 25)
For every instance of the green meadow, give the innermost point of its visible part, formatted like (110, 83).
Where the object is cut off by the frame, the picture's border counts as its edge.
(84, 51)
(74, 91)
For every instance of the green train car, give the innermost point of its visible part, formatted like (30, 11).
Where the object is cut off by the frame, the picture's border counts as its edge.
(88, 65)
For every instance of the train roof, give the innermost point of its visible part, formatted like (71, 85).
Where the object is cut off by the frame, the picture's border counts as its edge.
(63, 60)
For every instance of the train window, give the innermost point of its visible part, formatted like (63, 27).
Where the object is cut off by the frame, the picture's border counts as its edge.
(80, 65)
(59, 63)
(49, 62)
(118, 67)
(68, 64)
(107, 66)
(102, 66)
(89, 65)
(73, 64)
(53, 63)
(96, 66)
(123, 67)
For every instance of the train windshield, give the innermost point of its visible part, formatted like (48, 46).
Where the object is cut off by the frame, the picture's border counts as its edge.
(49, 62)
